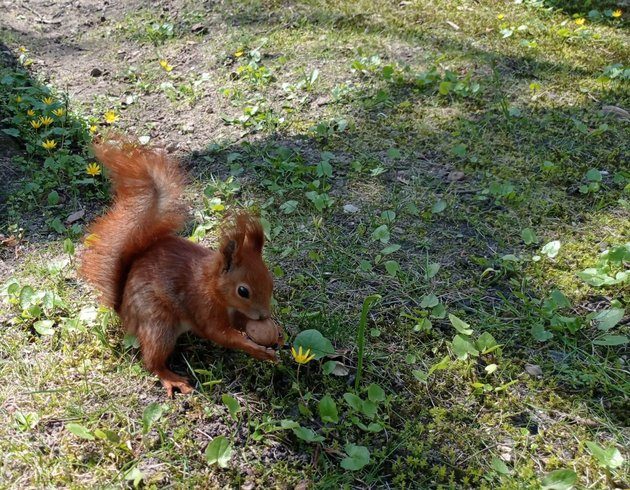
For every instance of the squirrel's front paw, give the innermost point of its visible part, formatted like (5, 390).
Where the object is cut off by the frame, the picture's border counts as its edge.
(265, 354)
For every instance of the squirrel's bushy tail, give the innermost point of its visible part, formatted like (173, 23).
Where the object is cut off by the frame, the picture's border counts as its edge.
(147, 206)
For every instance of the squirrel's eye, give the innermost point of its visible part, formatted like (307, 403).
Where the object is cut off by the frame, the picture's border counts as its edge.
(243, 292)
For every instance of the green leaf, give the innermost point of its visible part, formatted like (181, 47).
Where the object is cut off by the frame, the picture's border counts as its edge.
(559, 480)
(460, 325)
(486, 343)
(308, 435)
(134, 475)
(130, 340)
(232, 405)
(609, 458)
(324, 168)
(353, 400)
(44, 327)
(11, 132)
(607, 319)
(376, 393)
(551, 249)
(429, 301)
(462, 347)
(80, 431)
(499, 466)
(459, 150)
(420, 375)
(539, 333)
(26, 296)
(444, 87)
(288, 207)
(68, 246)
(53, 198)
(595, 277)
(312, 339)
(219, 451)
(393, 153)
(611, 340)
(392, 267)
(440, 366)
(438, 206)
(328, 410)
(381, 234)
(151, 414)
(432, 270)
(559, 299)
(438, 311)
(357, 457)
(594, 175)
(528, 236)
(390, 249)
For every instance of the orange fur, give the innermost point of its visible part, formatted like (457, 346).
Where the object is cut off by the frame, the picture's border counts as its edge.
(162, 285)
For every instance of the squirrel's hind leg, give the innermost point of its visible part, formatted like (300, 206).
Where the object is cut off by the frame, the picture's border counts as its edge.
(157, 342)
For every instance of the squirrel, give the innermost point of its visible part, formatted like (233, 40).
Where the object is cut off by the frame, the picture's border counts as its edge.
(162, 285)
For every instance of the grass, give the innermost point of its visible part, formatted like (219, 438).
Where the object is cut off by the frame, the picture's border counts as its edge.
(424, 152)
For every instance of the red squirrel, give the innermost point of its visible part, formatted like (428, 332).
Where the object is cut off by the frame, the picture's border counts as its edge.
(163, 285)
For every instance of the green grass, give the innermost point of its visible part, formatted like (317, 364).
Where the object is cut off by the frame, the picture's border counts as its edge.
(449, 136)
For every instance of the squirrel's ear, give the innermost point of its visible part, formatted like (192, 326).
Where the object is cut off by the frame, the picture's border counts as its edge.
(228, 251)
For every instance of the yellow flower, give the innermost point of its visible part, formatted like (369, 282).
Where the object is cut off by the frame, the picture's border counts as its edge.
(18, 99)
(617, 13)
(48, 100)
(90, 240)
(22, 49)
(93, 129)
(580, 21)
(59, 112)
(164, 64)
(36, 124)
(46, 121)
(239, 53)
(110, 117)
(93, 169)
(500, 16)
(302, 357)
(49, 144)
(30, 113)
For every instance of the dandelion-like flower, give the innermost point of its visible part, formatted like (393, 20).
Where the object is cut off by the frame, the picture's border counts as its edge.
(36, 124)
(90, 240)
(164, 64)
(239, 53)
(22, 49)
(580, 21)
(93, 169)
(49, 144)
(59, 112)
(617, 13)
(93, 128)
(30, 113)
(48, 100)
(500, 16)
(302, 357)
(110, 117)
(46, 121)
(18, 99)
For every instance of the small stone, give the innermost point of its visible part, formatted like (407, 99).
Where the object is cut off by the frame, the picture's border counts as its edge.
(533, 370)
(455, 175)
(615, 111)
(76, 216)
(199, 29)
(350, 209)
(96, 72)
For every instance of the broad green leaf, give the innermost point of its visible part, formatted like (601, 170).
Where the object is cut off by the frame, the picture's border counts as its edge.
(420, 375)
(353, 400)
(528, 236)
(219, 451)
(232, 405)
(594, 175)
(392, 267)
(80, 431)
(429, 301)
(551, 249)
(308, 435)
(26, 295)
(609, 457)
(376, 393)
(607, 319)
(312, 339)
(357, 457)
(438, 207)
(53, 198)
(439, 311)
(499, 466)
(490, 368)
(462, 347)
(559, 480)
(486, 343)
(44, 327)
(381, 234)
(595, 277)
(289, 206)
(336, 368)
(151, 414)
(432, 270)
(460, 325)
(611, 340)
(390, 249)
(539, 333)
(328, 410)
(440, 366)
(559, 299)
(459, 150)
